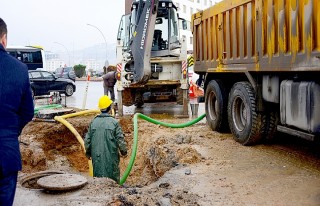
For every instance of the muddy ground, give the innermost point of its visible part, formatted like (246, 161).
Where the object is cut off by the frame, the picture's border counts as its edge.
(188, 166)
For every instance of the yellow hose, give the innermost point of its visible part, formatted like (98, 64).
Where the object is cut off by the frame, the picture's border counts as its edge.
(81, 113)
(62, 120)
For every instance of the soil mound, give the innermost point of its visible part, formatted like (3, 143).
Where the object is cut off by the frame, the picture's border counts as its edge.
(46, 146)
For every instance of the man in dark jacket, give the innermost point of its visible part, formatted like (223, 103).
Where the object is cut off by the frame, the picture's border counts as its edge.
(16, 109)
(109, 80)
(103, 142)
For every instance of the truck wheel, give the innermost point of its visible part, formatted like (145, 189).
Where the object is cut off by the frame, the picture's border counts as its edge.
(244, 121)
(270, 122)
(179, 96)
(216, 106)
(139, 100)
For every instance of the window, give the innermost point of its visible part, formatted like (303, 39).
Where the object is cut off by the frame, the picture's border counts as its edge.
(125, 28)
(191, 11)
(198, 1)
(191, 40)
(205, 2)
(174, 26)
(47, 75)
(184, 9)
(33, 57)
(35, 75)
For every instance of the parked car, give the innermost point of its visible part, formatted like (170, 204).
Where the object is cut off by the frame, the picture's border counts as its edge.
(65, 72)
(97, 73)
(42, 82)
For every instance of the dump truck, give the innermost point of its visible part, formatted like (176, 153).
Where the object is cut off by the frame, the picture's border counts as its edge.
(151, 56)
(259, 61)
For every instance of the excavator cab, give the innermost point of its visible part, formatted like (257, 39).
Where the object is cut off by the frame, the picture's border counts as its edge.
(158, 43)
(165, 29)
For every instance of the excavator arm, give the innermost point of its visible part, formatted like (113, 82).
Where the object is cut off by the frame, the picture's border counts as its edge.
(142, 38)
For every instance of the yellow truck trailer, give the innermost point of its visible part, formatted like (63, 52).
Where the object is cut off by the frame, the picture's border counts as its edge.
(259, 61)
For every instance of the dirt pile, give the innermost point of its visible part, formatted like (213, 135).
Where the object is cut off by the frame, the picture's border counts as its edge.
(155, 196)
(159, 150)
(52, 146)
(47, 146)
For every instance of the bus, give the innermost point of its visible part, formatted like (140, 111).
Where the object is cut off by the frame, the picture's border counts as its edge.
(32, 56)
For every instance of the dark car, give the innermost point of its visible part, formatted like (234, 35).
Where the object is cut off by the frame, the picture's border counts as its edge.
(42, 82)
(65, 72)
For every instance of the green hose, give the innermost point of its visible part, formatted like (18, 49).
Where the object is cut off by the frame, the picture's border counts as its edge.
(135, 137)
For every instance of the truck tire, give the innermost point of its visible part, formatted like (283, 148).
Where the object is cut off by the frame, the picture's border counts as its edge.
(139, 100)
(179, 96)
(269, 124)
(244, 121)
(216, 106)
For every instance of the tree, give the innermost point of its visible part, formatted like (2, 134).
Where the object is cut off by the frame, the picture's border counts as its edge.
(79, 70)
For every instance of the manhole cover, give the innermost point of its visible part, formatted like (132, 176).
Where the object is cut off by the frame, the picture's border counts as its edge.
(62, 182)
(30, 180)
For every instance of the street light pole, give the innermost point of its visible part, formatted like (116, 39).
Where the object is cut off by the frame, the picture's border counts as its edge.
(105, 41)
(66, 50)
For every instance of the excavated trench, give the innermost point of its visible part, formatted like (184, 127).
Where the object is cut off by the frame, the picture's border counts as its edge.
(52, 147)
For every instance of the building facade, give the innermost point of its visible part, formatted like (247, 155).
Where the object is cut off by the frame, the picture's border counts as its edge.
(185, 9)
(92, 65)
(53, 61)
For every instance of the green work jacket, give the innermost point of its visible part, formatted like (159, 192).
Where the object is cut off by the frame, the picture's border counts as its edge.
(103, 142)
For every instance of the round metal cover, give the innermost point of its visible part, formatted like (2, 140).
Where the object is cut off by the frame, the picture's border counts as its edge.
(30, 180)
(61, 182)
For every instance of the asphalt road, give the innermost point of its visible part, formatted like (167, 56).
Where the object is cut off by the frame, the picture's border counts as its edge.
(80, 100)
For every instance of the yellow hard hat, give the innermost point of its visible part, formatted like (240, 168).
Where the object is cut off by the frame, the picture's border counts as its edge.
(104, 102)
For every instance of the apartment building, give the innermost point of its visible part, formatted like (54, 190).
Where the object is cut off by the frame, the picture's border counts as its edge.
(185, 8)
(92, 64)
(53, 61)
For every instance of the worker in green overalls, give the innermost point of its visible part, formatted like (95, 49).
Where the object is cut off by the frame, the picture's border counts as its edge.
(104, 141)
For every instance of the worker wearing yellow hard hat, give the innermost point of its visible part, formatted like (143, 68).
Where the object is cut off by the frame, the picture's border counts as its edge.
(104, 141)
(105, 102)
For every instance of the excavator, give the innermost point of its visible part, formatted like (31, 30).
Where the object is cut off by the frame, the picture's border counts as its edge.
(151, 56)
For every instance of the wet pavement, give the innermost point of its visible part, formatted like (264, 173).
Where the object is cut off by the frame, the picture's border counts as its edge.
(78, 100)
(95, 91)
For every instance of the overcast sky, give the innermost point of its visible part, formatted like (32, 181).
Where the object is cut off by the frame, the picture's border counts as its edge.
(43, 22)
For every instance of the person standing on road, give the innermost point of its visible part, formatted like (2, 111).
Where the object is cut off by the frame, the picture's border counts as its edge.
(16, 109)
(103, 142)
(109, 80)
